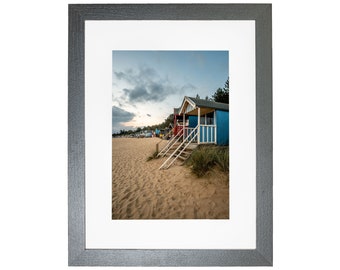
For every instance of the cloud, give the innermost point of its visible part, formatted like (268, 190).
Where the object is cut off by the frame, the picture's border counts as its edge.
(127, 76)
(142, 75)
(188, 87)
(120, 116)
(153, 91)
(136, 94)
(146, 85)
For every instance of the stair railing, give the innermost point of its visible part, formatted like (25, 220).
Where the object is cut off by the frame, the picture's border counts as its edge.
(168, 146)
(186, 143)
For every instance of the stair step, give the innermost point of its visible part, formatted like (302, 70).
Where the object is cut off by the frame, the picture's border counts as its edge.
(184, 154)
(191, 147)
(182, 158)
(178, 150)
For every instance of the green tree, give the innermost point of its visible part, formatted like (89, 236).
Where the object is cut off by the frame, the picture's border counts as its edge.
(169, 120)
(222, 94)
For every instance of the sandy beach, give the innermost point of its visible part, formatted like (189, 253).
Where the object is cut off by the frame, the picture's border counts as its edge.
(141, 191)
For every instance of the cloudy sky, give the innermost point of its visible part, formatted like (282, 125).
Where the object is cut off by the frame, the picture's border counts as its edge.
(147, 85)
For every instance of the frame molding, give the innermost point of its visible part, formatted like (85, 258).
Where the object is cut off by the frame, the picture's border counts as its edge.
(78, 254)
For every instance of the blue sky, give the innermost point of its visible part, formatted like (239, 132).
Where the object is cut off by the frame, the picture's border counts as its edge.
(147, 85)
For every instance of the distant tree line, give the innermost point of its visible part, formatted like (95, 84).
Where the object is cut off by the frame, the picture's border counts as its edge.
(169, 120)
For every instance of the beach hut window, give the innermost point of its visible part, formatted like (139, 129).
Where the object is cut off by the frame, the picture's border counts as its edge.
(203, 120)
(210, 118)
(189, 108)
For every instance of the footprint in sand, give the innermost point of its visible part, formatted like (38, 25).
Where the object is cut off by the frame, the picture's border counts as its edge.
(195, 212)
(138, 203)
(146, 211)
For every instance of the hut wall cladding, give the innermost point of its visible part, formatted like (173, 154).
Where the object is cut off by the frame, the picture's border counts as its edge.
(193, 121)
(222, 122)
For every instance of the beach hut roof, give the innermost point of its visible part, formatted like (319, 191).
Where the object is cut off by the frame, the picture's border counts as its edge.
(202, 103)
(176, 111)
(210, 104)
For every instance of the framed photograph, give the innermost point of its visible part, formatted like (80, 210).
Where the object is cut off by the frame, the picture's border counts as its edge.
(170, 155)
(170, 135)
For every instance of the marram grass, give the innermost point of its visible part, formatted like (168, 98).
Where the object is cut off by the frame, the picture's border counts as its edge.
(205, 157)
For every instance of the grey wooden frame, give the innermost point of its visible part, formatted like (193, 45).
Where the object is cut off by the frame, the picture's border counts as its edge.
(78, 254)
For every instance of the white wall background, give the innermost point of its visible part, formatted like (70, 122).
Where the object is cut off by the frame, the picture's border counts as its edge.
(33, 137)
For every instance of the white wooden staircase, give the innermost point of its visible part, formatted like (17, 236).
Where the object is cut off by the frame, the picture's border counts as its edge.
(179, 147)
(170, 144)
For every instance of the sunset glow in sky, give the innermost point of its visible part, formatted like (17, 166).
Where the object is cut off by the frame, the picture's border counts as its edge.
(147, 85)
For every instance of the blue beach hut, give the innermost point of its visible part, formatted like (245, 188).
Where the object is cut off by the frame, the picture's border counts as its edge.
(201, 122)
(211, 119)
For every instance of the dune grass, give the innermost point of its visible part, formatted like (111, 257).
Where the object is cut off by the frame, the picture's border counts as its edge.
(205, 157)
(222, 159)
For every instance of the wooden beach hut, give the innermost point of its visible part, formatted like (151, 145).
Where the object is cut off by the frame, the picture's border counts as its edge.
(211, 118)
(202, 122)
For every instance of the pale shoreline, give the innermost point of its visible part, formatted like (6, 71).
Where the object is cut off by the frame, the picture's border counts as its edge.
(141, 191)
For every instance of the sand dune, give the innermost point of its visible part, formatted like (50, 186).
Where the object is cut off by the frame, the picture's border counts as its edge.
(141, 191)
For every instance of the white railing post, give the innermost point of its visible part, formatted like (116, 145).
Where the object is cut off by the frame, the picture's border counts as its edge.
(199, 124)
(184, 126)
(215, 127)
(203, 133)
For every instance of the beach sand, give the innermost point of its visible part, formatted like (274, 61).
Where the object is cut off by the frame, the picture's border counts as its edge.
(141, 191)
